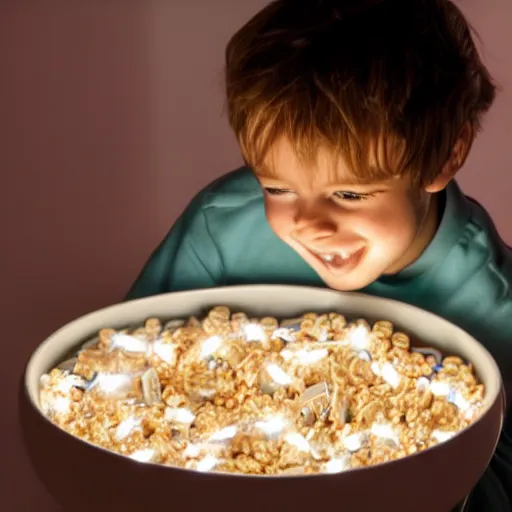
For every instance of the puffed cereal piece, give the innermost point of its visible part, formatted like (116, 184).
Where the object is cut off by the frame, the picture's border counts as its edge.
(382, 329)
(238, 321)
(338, 322)
(401, 340)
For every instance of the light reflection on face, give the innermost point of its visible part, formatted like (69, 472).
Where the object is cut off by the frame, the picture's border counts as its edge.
(350, 233)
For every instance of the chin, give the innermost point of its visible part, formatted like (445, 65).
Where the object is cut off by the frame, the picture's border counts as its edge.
(345, 284)
(344, 287)
(353, 281)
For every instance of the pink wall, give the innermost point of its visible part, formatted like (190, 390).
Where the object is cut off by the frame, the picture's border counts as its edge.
(111, 118)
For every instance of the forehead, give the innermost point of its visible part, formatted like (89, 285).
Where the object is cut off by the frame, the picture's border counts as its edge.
(325, 168)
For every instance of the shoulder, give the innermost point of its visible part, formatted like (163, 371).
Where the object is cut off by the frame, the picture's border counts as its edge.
(229, 211)
(491, 270)
(472, 288)
(224, 204)
(481, 296)
(473, 261)
(233, 205)
(233, 190)
(468, 279)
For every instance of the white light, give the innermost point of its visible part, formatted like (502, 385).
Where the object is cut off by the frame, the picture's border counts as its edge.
(254, 332)
(287, 355)
(129, 343)
(69, 382)
(272, 426)
(358, 338)
(207, 464)
(456, 398)
(470, 412)
(440, 388)
(210, 346)
(165, 351)
(311, 356)
(385, 431)
(109, 383)
(364, 356)
(354, 442)
(442, 435)
(335, 466)
(297, 440)
(390, 375)
(422, 384)
(387, 372)
(191, 451)
(179, 415)
(145, 455)
(224, 434)
(323, 335)
(126, 427)
(278, 375)
(61, 405)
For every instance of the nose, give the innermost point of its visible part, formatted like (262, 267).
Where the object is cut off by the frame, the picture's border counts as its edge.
(312, 222)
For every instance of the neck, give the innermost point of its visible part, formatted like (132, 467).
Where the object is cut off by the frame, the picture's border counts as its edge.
(424, 237)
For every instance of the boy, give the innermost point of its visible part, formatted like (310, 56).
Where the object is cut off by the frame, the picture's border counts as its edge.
(353, 118)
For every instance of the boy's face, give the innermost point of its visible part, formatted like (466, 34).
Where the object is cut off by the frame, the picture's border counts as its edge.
(350, 233)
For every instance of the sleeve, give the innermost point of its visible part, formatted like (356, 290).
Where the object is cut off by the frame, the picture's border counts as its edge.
(186, 259)
(494, 490)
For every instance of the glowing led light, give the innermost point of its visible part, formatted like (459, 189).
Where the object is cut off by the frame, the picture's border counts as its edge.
(179, 415)
(224, 434)
(210, 346)
(254, 332)
(125, 428)
(272, 426)
(165, 351)
(145, 455)
(278, 375)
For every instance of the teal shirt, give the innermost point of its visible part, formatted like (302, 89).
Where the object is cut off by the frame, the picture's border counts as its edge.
(464, 275)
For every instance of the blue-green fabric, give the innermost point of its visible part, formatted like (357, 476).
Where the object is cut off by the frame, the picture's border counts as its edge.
(464, 275)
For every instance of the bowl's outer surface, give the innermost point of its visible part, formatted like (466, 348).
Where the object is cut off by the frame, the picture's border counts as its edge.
(82, 477)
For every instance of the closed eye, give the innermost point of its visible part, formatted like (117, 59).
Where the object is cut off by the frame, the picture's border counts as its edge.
(276, 191)
(352, 196)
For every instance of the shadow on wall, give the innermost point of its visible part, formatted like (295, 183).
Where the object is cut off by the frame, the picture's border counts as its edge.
(112, 121)
(75, 146)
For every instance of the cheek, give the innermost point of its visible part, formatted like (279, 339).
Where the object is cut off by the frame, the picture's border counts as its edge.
(280, 217)
(394, 223)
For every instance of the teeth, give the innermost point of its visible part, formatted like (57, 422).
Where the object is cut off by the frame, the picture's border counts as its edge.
(329, 258)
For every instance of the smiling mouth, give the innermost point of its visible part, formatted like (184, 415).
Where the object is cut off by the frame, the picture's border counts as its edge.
(339, 262)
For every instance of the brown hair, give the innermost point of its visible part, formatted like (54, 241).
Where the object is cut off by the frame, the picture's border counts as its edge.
(388, 84)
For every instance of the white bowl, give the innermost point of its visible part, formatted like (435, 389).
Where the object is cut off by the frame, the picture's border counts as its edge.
(81, 476)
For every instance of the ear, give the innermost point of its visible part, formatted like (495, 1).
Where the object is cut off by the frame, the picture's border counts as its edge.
(455, 161)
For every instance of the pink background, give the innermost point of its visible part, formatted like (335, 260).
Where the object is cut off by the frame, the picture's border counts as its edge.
(111, 118)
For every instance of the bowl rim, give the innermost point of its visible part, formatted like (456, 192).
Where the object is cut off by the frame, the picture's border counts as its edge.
(489, 401)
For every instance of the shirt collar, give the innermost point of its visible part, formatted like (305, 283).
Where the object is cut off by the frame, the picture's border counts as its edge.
(453, 220)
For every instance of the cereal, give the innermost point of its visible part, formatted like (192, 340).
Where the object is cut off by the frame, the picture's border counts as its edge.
(383, 329)
(400, 340)
(232, 393)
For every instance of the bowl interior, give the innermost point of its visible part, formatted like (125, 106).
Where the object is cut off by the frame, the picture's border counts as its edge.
(261, 300)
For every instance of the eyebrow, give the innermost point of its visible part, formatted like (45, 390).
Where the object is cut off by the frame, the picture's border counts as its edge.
(263, 171)
(348, 181)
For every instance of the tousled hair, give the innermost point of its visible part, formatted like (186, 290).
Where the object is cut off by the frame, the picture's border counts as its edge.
(386, 84)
